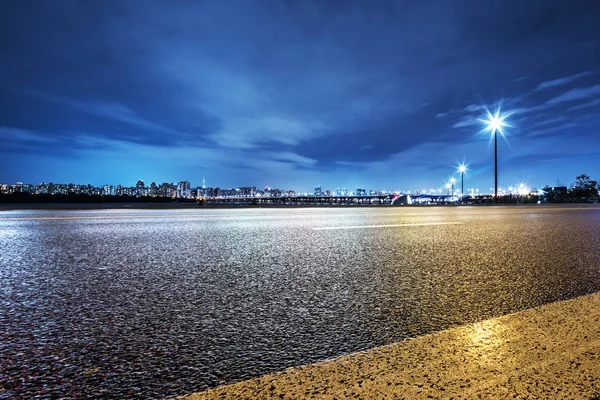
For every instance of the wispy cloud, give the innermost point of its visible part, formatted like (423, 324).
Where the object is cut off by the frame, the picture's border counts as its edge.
(593, 103)
(475, 108)
(11, 134)
(119, 112)
(467, 121)
(576, 94)
(289, 157)
(247, 132)
(550, 121)
(110, 110)
(559, 128)
(562, 81)
(525, 110)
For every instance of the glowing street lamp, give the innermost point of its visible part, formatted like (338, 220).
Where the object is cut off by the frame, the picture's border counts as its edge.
(494, 123)
(448, 188)
(452, 180)
(462, 168)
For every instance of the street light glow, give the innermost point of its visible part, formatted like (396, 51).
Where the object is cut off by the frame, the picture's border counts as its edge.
(495, 122)
(462, 168)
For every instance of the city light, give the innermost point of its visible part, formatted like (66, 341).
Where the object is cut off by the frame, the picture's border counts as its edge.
(523, 189)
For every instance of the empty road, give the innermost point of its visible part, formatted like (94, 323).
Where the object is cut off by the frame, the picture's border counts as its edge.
(155, 303)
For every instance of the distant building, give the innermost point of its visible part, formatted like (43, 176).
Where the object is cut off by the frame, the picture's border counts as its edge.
(166, 190)
(184, 190)
(139, 188)
(109, 190)
(248, 191)
(44, 188)
(153, 191)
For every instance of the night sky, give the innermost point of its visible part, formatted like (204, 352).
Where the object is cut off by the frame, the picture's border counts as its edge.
(293, 94)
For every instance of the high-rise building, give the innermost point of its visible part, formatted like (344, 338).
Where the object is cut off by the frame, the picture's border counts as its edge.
(139, 188)
(184, 189)
(153, 191)
(109, 190)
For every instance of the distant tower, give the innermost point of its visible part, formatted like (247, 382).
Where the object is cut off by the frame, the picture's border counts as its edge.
(203, 183)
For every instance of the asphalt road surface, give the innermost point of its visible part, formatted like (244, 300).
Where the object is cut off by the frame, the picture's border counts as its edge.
(156, 303)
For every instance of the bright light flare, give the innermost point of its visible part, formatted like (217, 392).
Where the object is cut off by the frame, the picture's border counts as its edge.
(462, 168)
(495, 122)
(523, 189)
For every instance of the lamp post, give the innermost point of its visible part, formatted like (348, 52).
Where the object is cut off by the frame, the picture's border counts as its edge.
(494, 124)
(462, 168)
(452, 180)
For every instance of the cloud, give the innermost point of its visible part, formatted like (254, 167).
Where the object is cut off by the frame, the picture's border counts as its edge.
(550, 121)
(592, 103)
(110, 110)
(114, 156)
(247, 132)
(525, 110)
(559, 128)
(562, 81)
(467, 121)
(289, 157)
(576, 94)
(475, 108)
(300, 83)
(10, 134)
(118, 112)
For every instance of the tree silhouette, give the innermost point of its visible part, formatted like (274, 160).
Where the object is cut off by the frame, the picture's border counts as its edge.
(584, 190)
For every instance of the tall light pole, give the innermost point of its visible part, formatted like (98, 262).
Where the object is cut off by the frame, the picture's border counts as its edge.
(495, 123)
(452, 180)
(462, 168)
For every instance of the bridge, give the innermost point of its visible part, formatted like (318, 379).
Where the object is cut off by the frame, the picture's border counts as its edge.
(304, 200)
(387, 199)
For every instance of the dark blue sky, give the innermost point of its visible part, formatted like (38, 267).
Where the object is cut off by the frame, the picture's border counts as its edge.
(294, 94)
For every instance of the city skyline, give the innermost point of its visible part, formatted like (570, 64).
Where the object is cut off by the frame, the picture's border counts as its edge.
(185, 189)
(299, 94)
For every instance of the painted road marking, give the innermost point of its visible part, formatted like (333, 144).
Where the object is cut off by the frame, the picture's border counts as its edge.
(331, 228)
